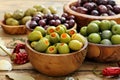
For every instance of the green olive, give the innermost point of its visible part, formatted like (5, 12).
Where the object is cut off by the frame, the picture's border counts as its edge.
(7, 15)
(46, 11)
(12, 22)
(25, 19)
(52, 9)
(30, 11)
(39, 7)
(18, 14)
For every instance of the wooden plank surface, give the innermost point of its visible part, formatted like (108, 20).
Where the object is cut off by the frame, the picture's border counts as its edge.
(85, 72)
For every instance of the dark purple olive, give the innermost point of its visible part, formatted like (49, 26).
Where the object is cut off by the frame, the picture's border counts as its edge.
(52, 22)
(71, 23)
(63, 19)
(90, 5)
(104, 14)
(102, 9)
(94, 12)
(45, 27)
(45, 16)
(116, 9)
(111, 13)
(67, 25)
(49, 17)
(109, 7)
(35, 18)
(42, 22)
(73, 8)
(71, 17)
(57, 22)
(83, 2)
(38, 15)
(55, 16)
(67, 21)
(64, 15)
(33, 24)
(95, 1)
(82, 10)
(102, 2)
(112, 2)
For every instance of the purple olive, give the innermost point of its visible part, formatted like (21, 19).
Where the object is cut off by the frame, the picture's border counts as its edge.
(94, 12)
(90, 5)
(111, 13)
(102, 2)
(73, 8)
(45, 16)
(71, 17)
(109, 7)
(52, 22)
(64, 15)
(45, 27)
(102, 9)
(67, 25)
(55, 16)
(42, 22)
(38, 15)
(33, 24)
(35, 18)
(116, 9)
(112, 2)
(71, 23)
(49, 17)
(57, 22)
(82, 10)
(63, 19)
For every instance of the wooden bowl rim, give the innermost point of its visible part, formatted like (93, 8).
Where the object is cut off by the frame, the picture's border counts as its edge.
(4, 25)
(28, 46)
(101, 45)
(67, 7)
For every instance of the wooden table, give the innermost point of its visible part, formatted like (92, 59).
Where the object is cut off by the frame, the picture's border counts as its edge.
(85, 72)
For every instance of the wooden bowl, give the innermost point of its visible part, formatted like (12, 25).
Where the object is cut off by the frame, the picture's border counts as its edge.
(84, 19)
(103, 53)
(30, 30)
(20, 29)
(56, 64)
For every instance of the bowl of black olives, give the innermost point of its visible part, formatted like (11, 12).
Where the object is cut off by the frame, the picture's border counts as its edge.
(86, 11)
(48, 20)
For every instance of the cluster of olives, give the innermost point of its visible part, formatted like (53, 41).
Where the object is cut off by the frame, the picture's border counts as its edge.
(20, 17)
(48, 20)
(97, 7)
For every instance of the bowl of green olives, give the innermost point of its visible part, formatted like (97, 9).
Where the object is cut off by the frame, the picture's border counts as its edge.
(52, 50)
(16, 29)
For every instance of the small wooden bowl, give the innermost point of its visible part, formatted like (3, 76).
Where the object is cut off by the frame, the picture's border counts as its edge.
(84, 19)
(56, 64)
(20, 29)
(30, 30)
(103, 53)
